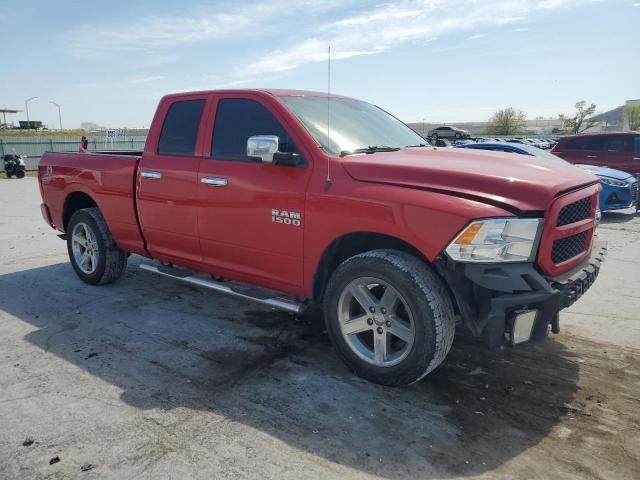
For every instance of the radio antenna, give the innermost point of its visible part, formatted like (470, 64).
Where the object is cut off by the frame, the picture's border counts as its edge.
(327, 181)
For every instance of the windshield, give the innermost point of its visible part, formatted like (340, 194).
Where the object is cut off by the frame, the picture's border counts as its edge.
(354, 125)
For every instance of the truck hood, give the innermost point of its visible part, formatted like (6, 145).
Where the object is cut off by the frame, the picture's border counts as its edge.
(506, 180)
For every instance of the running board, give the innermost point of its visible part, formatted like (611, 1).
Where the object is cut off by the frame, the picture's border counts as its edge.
(191, 278)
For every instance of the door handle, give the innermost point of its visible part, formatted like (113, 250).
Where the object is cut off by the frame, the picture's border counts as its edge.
(151, 175)
(592, 156)
(214, 181)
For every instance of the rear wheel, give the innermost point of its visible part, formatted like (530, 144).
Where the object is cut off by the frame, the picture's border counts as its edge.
(95, 257)
(20, 174)
(389, 316)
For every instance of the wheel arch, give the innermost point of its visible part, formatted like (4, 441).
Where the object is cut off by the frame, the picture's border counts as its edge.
(75, 201)
(350, 244)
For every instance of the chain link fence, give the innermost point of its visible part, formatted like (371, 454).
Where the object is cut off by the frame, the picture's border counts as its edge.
(34, 147)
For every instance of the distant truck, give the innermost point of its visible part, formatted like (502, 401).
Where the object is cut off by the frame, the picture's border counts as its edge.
(252, 193)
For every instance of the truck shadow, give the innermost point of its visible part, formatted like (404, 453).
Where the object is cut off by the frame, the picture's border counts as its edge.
(169, 346)
(623, 216)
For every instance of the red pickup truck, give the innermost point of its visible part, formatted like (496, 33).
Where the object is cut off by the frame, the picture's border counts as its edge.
(290, 198)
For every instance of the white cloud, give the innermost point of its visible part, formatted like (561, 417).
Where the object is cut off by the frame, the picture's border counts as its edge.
(385, 26)
(306, 27)
(155, 33)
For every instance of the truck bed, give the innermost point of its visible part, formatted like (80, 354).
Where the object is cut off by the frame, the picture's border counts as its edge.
(107, 177)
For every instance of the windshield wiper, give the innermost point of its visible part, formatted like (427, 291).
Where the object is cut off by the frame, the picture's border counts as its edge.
(369, 149)
(418, 145)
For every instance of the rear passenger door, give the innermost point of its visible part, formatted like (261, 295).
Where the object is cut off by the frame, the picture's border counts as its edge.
(167, 182)
(619, 153)
(240, 234)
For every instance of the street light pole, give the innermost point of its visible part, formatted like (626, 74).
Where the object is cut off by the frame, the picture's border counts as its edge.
(26, 105)
(59, 114)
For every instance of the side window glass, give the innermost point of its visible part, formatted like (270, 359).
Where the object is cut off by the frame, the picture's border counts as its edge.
(237, 119)
(618, 144)
(636, 141)
(598, 143)
(180, 128)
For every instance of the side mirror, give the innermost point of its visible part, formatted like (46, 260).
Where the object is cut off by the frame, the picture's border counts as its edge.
(264, 148)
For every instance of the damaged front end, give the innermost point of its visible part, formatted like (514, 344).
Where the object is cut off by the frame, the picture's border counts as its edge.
(513, 302)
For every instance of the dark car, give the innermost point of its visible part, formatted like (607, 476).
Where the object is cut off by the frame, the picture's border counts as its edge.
(619, 150)
(448, 132)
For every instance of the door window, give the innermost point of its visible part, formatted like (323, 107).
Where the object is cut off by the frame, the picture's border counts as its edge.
(180, 128)
(620, 143)
(587, 143)
(237, 119)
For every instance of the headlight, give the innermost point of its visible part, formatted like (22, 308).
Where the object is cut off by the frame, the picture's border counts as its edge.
(496, 240)
(613, 182)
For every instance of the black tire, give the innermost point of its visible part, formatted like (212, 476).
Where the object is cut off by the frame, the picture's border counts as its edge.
(434, 139)
(427, 299)
(20, 174)
(112, 261)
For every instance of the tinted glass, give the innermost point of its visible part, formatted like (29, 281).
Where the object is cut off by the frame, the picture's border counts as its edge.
(237, 119)
(354, 124)
(180, 129)
(620, 143)
(587, 143)
(636, 141)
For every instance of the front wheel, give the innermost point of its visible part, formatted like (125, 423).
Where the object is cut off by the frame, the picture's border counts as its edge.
(389, 316)
(95, 257)
(20, 174)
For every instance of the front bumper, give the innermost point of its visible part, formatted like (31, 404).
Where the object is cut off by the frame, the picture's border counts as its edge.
(491, 296)
(615, 198)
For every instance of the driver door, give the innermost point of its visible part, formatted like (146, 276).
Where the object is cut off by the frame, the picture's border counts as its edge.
(250, 214)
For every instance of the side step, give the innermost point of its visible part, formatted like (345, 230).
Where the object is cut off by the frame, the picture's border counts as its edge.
(239, 291)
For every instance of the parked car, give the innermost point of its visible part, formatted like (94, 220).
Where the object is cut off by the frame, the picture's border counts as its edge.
(448, 133)
(619, 189)
(619, 150)
(245, 192)
(509, 147)
(463, 141)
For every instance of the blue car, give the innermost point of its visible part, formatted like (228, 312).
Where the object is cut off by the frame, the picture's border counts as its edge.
(619, 189)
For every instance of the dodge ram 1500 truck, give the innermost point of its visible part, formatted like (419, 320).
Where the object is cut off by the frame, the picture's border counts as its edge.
(290, 198)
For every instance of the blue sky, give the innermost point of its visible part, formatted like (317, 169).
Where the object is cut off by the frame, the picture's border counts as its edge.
(109, 62)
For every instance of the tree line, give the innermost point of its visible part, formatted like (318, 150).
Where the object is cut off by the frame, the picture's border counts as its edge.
(509, 121)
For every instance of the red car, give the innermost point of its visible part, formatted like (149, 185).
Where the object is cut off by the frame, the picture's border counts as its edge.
(252, 193)
(617, 150)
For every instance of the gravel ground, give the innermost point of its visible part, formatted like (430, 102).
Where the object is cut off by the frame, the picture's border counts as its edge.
(148, 378)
